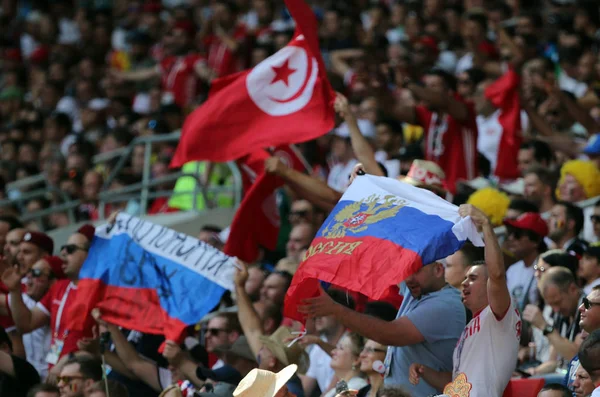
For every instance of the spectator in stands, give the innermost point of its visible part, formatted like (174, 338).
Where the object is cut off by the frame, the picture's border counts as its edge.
(60, 296)
(17, 376)
(560, 291)
(534, 153)
(589, 267)
(553, 258)
(302, 211)
(275, 287)
(345, 362)
(274, 352)
(300, 238)
(540, 185)
(210, 235)
(413, 336)
(33, 247)
(459, 263)
(329, 332)
(11, 248)
(565, 225)
(589, 355)
(582, 385)
(44, 390)
(256, 278)
(222, 330)
(79, 375)
(371, 364)
(496, 322)
(578, 181)
(393, 392)
(525, 243)
(7, 224)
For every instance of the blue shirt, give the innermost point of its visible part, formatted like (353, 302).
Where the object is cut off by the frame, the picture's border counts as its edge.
(570, 376)
(440, 318)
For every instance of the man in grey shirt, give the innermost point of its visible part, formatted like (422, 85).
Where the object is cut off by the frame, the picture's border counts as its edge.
(427, 328)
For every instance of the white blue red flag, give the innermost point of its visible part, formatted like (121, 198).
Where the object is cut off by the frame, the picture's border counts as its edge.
(149, 278)
(380, 232)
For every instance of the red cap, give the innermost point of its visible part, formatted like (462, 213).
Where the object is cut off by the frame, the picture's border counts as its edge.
(40, 55)
(39, 239)
(88, 231)
(529, 221)
(56, 265)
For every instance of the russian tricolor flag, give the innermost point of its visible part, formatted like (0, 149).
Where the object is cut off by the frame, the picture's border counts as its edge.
(380, 232)
(149, 278)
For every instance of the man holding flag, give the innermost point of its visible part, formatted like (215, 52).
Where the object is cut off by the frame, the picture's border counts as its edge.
(486, 353)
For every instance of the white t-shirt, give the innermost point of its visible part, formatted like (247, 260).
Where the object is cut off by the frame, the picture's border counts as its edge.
(519, 279)
(37, 342)
(596, 392)
(487, 351)
(339, 175)
(320, 368)
(490, 134)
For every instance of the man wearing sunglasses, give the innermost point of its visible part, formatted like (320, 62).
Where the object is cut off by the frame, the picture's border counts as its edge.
(40, 278)
(589, 312)
(595, 218)
(79, 375)
(53, 309)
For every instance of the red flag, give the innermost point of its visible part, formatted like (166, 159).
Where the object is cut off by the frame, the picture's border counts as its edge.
(256, 222)
(251, 166)
(284, 99)
(504, 94)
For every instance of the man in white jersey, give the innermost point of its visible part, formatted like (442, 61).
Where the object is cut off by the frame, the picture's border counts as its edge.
(589, 357)
(486, 352)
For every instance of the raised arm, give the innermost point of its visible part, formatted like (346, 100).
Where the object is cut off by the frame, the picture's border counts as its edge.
(498, 295)
(339, 60)
(458, 110)
(26, 320)
(400, 332)
(437, 379)
(249, 319)
(180, 360)
(314, 190)
(361, 147)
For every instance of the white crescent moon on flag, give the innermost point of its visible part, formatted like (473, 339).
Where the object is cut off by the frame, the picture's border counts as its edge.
(280, 97)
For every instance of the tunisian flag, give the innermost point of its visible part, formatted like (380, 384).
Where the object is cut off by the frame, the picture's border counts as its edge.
(284, 99)
(504, 94)
(256, 222)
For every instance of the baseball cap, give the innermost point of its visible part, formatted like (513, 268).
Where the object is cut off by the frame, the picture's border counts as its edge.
(365, 126)
(531, 221)
(593, 250)
(56, 265)
(226, 374)
(593, 145)
(39, 239)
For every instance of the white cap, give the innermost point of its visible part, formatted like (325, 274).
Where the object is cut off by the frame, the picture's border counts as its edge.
(366, 128)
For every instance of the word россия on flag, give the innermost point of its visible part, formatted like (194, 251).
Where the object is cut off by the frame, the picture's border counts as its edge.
(150, 278)
(380, 232)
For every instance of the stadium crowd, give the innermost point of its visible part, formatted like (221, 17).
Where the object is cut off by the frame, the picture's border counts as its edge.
(425, 89)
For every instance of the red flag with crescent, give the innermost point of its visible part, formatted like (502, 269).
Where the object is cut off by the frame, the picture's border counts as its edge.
(285, 99)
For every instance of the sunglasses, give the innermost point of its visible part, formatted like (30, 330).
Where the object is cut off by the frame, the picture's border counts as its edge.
(37, 273)
(67, 379)
(370, 350)
(215, 331)
(588, 305)
(595, 218)
(71, 248)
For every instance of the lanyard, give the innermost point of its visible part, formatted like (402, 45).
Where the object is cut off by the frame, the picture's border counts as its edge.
(61, 308)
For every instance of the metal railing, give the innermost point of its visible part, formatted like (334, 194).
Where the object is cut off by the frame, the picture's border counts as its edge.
(143, 192)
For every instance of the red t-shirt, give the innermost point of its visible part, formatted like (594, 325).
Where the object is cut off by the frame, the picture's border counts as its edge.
(6, 322)
(220, 58)
(451, 144)
(56, 304)
(179, 78)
